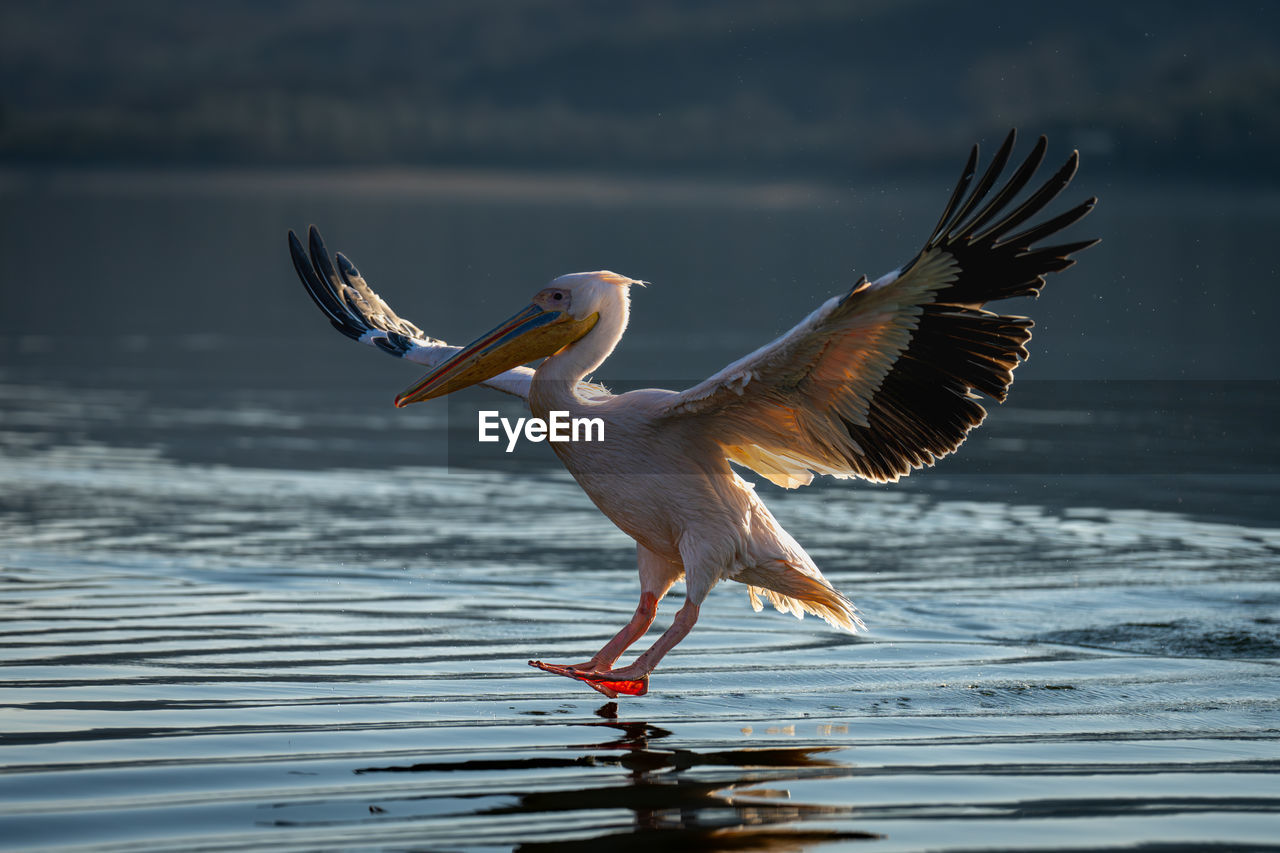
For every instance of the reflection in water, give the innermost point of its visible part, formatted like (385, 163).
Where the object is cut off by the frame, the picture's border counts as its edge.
(729, 810)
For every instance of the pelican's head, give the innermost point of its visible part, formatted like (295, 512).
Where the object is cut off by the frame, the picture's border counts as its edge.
(561, 313)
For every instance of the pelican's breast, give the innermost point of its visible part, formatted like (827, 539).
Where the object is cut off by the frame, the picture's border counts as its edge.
(653, 479)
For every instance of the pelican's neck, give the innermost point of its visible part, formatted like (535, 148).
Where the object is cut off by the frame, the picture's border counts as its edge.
(556, 379)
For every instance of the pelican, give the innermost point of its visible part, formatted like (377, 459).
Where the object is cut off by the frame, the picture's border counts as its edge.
(880, 380)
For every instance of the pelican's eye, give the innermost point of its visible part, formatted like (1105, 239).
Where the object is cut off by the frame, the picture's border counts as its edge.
(553, 299)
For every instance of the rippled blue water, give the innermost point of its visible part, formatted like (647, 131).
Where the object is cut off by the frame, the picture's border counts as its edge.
(246, 603)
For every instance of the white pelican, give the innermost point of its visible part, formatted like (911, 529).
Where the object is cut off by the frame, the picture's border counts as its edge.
(877, 382)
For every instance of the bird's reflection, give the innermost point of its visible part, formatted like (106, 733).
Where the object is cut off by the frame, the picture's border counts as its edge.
(733, 798)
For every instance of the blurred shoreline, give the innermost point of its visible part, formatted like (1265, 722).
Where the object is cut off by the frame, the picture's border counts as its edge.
(505, 185)
(602, 188)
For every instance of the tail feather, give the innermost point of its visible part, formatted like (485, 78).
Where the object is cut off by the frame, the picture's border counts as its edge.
(792, 591)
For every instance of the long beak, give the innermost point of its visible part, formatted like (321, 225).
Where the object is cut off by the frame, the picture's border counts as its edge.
(532, 333)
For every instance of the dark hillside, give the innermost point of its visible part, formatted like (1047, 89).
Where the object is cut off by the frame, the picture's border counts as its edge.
(809, 86)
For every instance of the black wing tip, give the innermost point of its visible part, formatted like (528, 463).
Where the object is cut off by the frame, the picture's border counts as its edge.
(313, 233)
(314, 271)
(1006, 221)
(963, 201)
(345, 266)
(295, 248)
(999, 255)
(319, 253)
(346, 299)
(966, 176)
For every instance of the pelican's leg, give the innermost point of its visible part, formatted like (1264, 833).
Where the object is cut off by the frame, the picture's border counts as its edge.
(633, 679)
(637, 672)
(656, 577)
(602, 661)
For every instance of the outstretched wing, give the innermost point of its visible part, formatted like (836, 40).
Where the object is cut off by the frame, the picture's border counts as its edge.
(360, 314)
(881, 381)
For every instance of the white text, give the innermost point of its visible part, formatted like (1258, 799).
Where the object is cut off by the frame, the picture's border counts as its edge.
(558, 426)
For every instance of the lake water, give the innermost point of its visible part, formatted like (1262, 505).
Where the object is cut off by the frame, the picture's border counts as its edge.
(246, 603)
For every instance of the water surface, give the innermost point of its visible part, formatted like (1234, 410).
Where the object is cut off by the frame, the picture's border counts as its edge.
(247, 603)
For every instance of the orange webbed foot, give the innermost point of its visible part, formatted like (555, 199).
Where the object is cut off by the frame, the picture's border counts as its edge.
(598, 681)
